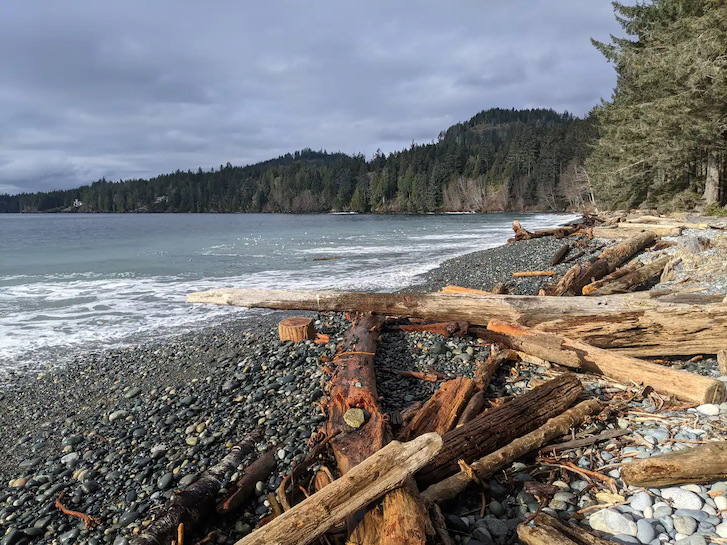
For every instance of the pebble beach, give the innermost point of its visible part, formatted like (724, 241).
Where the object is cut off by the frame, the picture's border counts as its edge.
(116, 432)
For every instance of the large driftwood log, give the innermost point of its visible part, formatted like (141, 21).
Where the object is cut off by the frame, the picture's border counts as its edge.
(582, 274)
(546, 346)
(624, 369)
(501, 425)
(474, 408)
(632, 279)
(382, 472)
(353, 387)
(559, 232)
(441, 411)
(625, 232)
(641, 324)
(615, 275)
(702, 464)
(487, 466)
(552, 531)
(192, 504)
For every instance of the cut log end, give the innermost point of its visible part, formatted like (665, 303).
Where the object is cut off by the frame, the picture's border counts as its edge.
(297, 329)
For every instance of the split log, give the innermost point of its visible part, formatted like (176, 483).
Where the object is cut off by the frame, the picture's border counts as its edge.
(560, 255)
(619, 232)
(297, 329)
(460, 289)
(632, 279)
(702, 464)
(559, 232)
(446, 329)
(440, 526)
(525, 274)
(192, 504)
(378, 474)
(615, 275)
(487, 369)
(441, 411)
(353, 386)
(487, 466)
(500, 426)
(624, 369)
(474, 408)
(641, 324)
(241, 491)
(552, 531)
(583, 274)
(546, 346)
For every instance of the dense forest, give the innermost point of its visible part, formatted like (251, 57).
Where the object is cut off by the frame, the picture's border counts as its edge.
(659, 142)
(498, 160)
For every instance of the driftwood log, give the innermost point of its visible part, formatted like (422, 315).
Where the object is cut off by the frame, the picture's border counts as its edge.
(487, 466)
(353, 388)
(241, 491)
(380, 473)
(501, 425)
(189, 506)
(640, 324)
(474, 408)
(702, 464)
(552, 531)
(441, 411)
(632, 279)
(625, 232)
(297, 329)
(624, 369)
(559, 232)
(615, 275)
(560, 254)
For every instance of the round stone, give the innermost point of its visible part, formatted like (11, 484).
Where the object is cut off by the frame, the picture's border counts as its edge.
(710, 409)
(612, 522)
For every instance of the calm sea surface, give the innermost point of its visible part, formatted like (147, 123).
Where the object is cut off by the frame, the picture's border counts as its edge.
(85, 281)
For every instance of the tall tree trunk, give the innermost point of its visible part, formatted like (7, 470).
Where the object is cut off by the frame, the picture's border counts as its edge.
(712, 185)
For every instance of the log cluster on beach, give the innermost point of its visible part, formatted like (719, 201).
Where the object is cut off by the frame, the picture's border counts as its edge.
(386, 477)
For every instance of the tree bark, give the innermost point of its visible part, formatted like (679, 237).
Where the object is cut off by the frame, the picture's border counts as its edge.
(474, 408)
(441, 411)
(624, 369)
(380, 473)
(192, 504)
(677, 324)
(552, 531)
(702, 464)
(501, 425)
(632, 279)
(487, 466)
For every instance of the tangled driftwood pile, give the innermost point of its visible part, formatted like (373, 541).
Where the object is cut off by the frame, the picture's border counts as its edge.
(392, 470)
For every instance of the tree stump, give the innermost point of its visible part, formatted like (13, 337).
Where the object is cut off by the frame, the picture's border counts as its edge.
(297, 329)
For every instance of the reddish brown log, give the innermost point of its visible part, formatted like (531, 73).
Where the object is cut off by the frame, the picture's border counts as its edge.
(487, 369)
(441, 411)
(501, 425)
(474, 408)
(297, 329)
(560, 255)
(241, 491)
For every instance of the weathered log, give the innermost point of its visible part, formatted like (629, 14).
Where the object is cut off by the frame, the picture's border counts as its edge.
(378, 474)
(575, 256)
(560, 255)
(610, 258)
(615, 275)
(552, 531)
(722, 362)
(440, 526)
(702, 464)
(441, 411)
(632, 279)
(241, 491)
(297, 329)
(640, 324)
(525, 274)
(192, 504)
(559, 232)
(620, 232)
(624, 369)
(501, 425)
(586, 441)
(546, 346)
(405, 519)
(487, 369)
(474, 408)
(488, 465)
(353, 386)
(460, 289)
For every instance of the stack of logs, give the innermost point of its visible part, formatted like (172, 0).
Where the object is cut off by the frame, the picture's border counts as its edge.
(391, 473)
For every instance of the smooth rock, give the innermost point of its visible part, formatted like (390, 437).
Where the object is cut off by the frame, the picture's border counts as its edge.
(682, 499)
(710, 409)
(132, 392)
(612, 522)
(684, 525)
(722, 530)
(354, 417)
(641, 501)
(645, 531)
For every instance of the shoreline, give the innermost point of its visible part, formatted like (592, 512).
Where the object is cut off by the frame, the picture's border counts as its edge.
(118, 430)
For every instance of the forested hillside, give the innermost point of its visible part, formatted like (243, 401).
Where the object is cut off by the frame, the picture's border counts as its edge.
(498, 160)
(663, 136)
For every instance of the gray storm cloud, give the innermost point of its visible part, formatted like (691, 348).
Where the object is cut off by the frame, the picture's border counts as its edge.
(138, 88)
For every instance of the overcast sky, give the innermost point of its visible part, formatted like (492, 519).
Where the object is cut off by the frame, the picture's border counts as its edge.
(137, 88)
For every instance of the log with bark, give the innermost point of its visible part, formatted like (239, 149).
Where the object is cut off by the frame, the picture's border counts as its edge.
(441, 411)
(624, 369)
(560, 254)
(582, 274)
(702, 464)
(490, 464)
(241, 491)
(474, 408)
(501, 425)
(187, 507)
(353, 388)
(378, 474)
(632, 279)
(640, 324)
(552, 531)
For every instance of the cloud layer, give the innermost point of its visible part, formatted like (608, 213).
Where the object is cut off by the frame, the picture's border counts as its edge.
(138, 88)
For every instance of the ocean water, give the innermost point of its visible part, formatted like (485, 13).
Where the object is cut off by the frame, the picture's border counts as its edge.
(72, 282)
